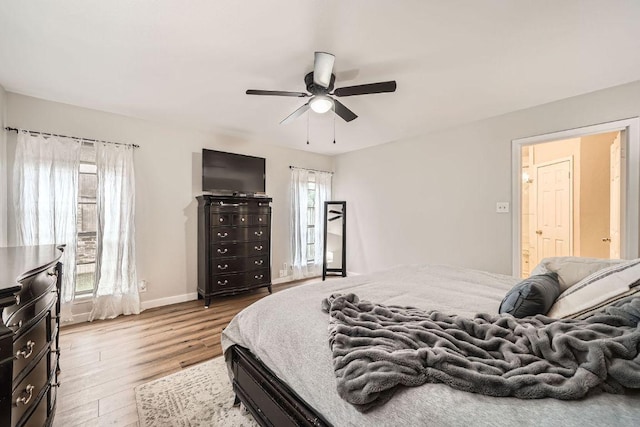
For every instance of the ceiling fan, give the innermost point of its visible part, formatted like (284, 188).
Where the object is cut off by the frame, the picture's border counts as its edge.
(319, 84)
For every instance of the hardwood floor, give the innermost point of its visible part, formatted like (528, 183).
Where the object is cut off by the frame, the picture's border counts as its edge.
(103, 361)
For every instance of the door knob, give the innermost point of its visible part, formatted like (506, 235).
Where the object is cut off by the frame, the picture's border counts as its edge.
(539, 232)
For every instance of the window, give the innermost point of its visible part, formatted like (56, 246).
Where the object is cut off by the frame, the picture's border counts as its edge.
(86, 222)
(311, 218)
(309, 191)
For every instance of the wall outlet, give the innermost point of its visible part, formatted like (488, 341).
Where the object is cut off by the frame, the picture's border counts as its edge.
(502, 207)
(142, 286)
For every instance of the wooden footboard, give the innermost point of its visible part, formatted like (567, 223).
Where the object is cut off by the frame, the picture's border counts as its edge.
(270, 401)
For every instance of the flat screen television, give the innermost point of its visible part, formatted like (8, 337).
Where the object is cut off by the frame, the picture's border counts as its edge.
(230, 173)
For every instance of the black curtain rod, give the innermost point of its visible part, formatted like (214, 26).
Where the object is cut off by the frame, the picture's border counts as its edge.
(10, 129)
(307, 169)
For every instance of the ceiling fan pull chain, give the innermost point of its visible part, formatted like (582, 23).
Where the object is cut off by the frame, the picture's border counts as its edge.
(308, 128)
(334, 128)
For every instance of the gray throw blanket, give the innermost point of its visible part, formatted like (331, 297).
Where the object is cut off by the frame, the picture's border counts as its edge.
(377, 348)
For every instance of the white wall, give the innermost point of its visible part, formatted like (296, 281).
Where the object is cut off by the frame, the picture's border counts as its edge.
(168, 178)
(432, 199)
(3, 168)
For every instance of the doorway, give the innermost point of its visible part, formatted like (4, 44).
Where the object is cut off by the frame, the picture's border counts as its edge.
(576, 194)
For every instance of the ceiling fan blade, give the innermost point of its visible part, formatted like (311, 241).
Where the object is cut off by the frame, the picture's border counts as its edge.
(295, 114)
(276, 93)
(342, 111)
(366, 89)
(322, 68)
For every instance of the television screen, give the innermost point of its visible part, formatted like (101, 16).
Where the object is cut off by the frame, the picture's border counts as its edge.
(232, 173)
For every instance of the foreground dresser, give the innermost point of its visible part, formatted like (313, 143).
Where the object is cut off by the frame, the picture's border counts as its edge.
(30, 278)
(234, 245)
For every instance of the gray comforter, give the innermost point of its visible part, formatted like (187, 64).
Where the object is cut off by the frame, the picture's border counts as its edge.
(288, 332)
(377, 348)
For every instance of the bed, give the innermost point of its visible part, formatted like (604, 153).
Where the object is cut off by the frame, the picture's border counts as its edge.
(281, 364)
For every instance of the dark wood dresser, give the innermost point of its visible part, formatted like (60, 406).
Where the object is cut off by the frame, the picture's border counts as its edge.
(234, 245)
(30, 278)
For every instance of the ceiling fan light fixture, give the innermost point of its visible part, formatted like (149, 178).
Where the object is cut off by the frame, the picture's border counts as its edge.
(321, 104)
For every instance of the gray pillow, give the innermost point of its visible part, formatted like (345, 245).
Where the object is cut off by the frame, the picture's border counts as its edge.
(534, 295)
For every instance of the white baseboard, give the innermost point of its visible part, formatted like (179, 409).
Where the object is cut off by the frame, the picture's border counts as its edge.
(280, 280)
(77, 318)
(145, 305)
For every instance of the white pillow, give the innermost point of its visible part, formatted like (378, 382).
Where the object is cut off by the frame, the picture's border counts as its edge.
(605, 285)
(572, 269)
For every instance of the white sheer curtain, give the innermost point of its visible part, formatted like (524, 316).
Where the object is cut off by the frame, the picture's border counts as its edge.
(299, 198)
(300, 218)
(323, 194)
(117, 291)
(45, 194)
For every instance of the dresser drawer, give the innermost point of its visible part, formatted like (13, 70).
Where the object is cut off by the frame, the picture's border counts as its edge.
(220, 218)
(32, 289)
(261, 219)
(241, 249)
(228, 281)
(234, 265)
(257, 248)
(38, 417)
(257, 277)
(227, 265)
(25, 394)
(29, 345)
(20, 319)
(241, 280)
(238, 234)
(241, 219)
(257, 262)
(226, 218)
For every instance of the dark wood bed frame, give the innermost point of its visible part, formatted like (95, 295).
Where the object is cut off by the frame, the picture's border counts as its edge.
(271, 402)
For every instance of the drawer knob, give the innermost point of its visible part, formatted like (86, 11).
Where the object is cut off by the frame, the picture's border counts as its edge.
(259, 262)
(223, 283)
(223, 267)
(259, 219)
(16, 325)
(258, 276)
(26, 351)
(243, 219)
(258, 233)
(223, 251)
(258, 248)
(221, 220)
(225, 234)
(27, 394)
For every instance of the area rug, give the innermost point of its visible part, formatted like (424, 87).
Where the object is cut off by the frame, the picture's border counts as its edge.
(197, 396)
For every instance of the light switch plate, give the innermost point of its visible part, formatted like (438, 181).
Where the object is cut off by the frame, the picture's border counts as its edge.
(502, 207)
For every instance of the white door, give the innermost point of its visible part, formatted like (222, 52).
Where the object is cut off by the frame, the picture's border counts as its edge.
(614, 216)
(554, 212)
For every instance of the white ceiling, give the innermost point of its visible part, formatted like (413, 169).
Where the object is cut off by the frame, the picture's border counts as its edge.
(190, 62)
